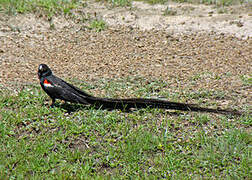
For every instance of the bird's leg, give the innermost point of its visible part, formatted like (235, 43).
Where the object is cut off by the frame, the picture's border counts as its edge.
(63, 102)
(53, 101)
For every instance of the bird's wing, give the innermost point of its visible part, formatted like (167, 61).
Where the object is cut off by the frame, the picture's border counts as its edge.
(60, 89)
(69, 87)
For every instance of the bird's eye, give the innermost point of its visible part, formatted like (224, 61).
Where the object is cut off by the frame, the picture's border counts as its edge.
(41, 68)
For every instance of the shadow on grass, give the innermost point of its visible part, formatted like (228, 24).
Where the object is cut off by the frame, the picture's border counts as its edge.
(70, 108)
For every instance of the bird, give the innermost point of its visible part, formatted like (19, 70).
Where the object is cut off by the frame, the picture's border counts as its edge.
(57, 88)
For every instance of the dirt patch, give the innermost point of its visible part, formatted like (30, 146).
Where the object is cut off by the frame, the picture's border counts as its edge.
(181, 18)
(134, 46)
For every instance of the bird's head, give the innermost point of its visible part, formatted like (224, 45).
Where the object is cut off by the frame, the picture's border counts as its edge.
(44, 70)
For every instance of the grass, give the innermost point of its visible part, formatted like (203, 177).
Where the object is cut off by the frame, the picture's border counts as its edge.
(169, 12)
(117, 3)
(48, 7)
(247, 80)
(207, 2)
(55, 7)
(120, 2)
(73, 141)
(98, 25)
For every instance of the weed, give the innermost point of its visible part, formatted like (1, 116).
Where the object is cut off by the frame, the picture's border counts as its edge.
(155, 1)
(120, 3)
(218, 3)
(98, 25)
(247, 80)
(169, 12)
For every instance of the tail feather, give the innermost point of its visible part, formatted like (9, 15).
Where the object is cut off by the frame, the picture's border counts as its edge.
(152, 103)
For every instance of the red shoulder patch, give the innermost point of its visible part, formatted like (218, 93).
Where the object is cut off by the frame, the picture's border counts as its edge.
(46, 82)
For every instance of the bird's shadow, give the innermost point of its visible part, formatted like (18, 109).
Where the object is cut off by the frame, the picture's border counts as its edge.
(71, 108)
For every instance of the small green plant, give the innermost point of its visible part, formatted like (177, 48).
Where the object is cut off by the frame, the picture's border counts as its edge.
(208, 2)
(247, 80)
(121, 3)
(218, 3)
(202, 120)
(169, 12)
(155, 1)
(98, 25)
(224, 2)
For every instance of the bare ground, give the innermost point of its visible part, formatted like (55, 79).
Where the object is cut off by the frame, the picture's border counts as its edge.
(197, 42)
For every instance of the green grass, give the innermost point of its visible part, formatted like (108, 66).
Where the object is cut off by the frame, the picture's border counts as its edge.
(155, 1)
(73, 141)
(117, 3)
(97, 25)
(65, 7)
(207, 2)
(247, 79)
(169, 12)
(48, 7)
(120, 2)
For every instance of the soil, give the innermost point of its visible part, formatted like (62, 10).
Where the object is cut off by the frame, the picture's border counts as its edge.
(196, 41)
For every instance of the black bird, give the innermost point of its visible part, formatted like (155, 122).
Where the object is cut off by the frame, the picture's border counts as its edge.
(57, 88)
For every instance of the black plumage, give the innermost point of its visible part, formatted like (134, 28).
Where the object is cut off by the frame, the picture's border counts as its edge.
(57, 88)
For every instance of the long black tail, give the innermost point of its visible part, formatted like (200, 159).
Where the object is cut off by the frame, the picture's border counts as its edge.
(126, 104)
